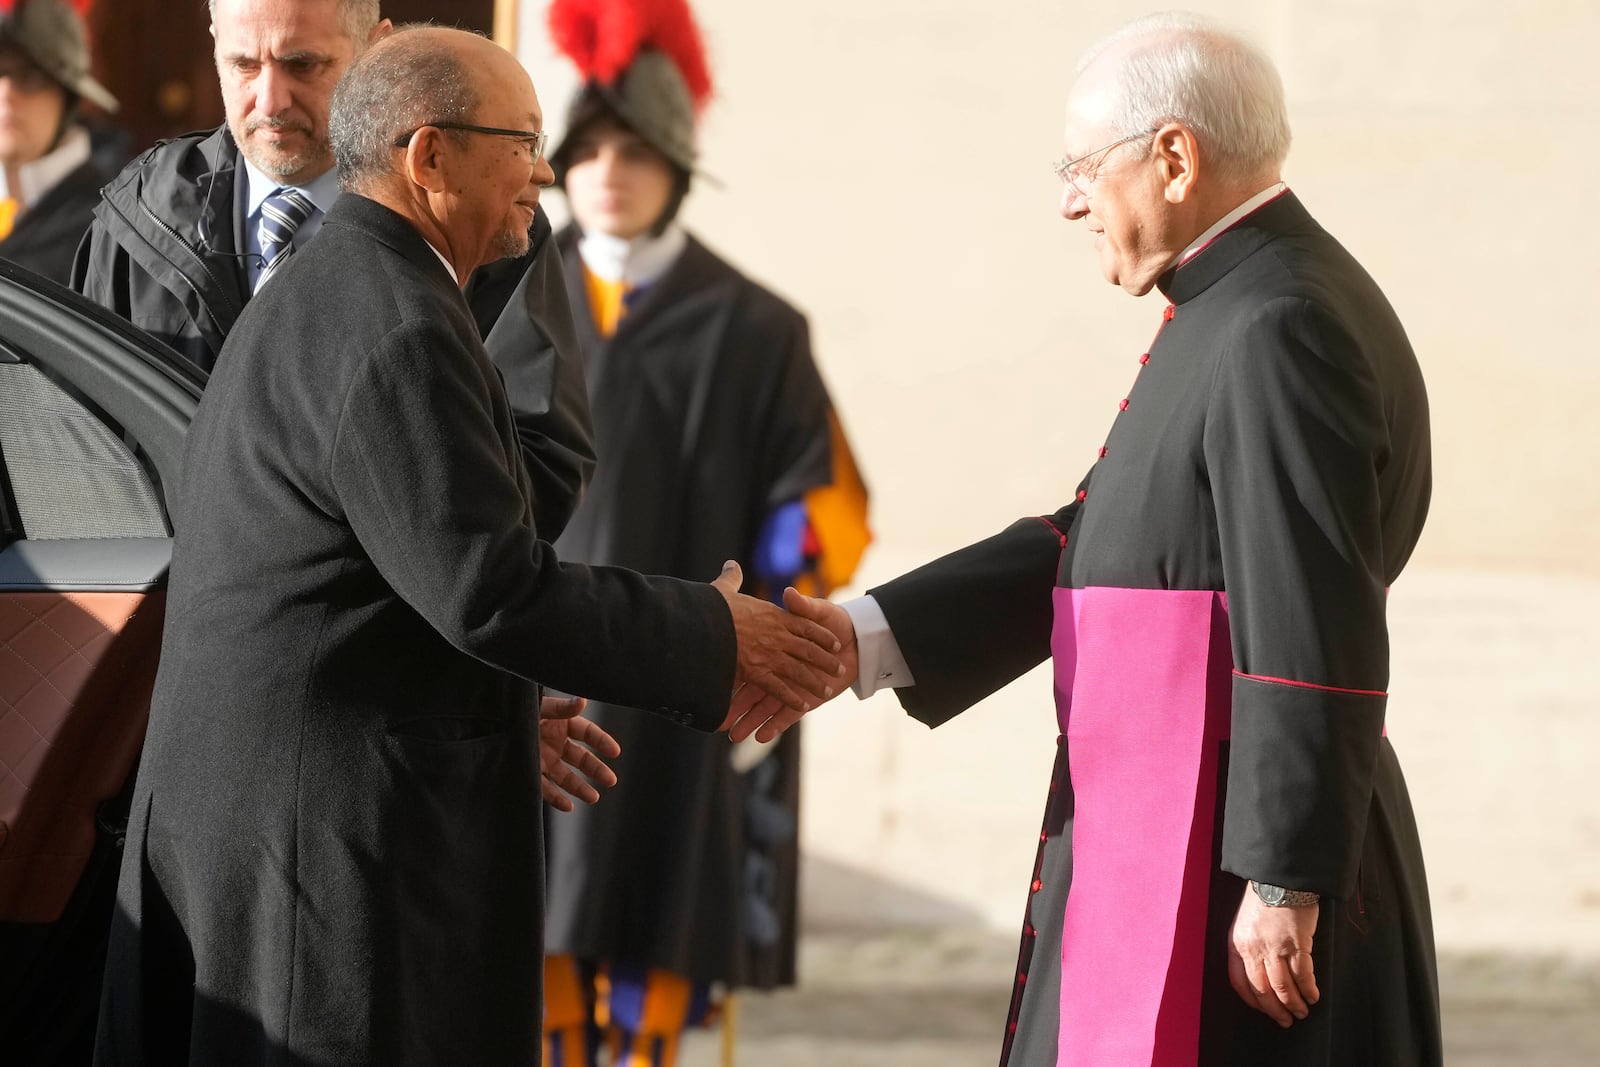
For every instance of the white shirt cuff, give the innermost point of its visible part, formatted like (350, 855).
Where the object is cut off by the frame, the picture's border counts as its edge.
(881, 664)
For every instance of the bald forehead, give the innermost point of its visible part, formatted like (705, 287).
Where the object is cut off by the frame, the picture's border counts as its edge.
(1091, 106)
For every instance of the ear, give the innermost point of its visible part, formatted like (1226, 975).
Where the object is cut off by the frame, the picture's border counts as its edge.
(1177, 155)
(424, 164)
(379, 32)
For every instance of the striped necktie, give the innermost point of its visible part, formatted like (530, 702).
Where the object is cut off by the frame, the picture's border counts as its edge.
(282, 213)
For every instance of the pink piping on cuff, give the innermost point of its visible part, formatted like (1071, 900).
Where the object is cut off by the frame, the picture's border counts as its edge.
(1312, 685)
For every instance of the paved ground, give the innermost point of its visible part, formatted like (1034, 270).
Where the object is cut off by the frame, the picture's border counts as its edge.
(912, 998)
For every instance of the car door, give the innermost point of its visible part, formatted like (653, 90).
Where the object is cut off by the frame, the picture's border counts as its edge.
(85, 541)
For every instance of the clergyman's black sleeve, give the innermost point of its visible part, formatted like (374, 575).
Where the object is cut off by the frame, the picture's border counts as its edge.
(977, 619)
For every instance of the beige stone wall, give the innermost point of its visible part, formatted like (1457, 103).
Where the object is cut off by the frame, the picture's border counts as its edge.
(885, 165)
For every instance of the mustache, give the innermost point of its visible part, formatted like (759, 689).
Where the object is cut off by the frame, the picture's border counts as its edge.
(291, 125)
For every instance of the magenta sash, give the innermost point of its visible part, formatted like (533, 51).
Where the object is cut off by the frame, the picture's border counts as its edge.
(1143, 694)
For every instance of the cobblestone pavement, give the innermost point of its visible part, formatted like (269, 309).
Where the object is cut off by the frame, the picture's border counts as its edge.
(937, 999)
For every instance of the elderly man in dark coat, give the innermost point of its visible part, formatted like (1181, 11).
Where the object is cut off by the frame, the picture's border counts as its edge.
(335, 855)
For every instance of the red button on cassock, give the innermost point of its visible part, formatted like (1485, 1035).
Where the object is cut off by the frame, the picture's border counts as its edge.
(1123, 404)
(1083, 494)
(1144, 359)
(1166, 316)
(1037, 885)
(1103, 451)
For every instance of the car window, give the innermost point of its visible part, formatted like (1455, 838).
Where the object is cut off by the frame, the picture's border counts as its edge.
(68, 474)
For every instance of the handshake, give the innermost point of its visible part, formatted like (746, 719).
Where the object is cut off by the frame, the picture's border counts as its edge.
(788, 663)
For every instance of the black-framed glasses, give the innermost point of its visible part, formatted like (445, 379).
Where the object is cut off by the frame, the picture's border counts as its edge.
(534, 141)
(1081, 171)
(25, 77)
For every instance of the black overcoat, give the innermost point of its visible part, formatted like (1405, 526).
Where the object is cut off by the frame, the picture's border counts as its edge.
(1274, 448)
(335, 854)
(709, 413)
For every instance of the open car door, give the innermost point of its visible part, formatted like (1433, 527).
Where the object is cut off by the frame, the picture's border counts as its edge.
(84, 546)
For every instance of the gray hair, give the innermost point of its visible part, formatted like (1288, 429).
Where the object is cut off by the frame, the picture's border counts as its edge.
(1183, 68)
(408, 81)
(360, 16)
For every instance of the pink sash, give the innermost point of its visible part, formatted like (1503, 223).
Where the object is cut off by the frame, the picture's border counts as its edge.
(1143, 693)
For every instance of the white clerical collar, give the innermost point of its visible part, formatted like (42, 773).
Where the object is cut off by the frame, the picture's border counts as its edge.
(636, 262)
(322, 190)
(37, 178)
(453, 275)
(1271, 192)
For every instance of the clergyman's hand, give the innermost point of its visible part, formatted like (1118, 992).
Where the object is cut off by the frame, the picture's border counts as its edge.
(790, 658)
(1269, 958)
(570, 751)
(838, 622)
(760, 707)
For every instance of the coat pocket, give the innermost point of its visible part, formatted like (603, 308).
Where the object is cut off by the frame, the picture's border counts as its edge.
(447, 729)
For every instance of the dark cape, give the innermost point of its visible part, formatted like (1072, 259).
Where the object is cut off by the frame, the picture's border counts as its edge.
(164, 253)
(709, 412)
(336, 851)
(47, 234)
(1272, 460)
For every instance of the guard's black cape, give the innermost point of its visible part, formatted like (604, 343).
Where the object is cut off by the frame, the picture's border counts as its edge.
(1274, 447)
(46, 235)
(336, 854)
(709, 411)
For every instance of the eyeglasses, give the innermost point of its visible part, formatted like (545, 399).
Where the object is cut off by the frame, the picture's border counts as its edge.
(25, 77)
(534, 141)
(1080, 173)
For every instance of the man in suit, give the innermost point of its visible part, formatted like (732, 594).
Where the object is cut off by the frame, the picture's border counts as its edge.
(336, 849)
(1229, 871)
(184, 237)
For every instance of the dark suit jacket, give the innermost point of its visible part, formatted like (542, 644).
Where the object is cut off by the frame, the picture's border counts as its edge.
(335, 853)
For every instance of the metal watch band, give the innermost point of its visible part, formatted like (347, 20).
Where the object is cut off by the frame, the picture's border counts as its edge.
(1275, 896)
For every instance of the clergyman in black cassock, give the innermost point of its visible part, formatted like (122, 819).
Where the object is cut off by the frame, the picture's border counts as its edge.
(1213, 603)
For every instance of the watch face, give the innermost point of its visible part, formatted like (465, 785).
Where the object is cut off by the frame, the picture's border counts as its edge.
(1270, 894)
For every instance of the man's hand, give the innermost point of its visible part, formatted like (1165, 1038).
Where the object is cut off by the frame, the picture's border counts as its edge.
(788, 658)
(837, 621)
(1269, 958)
(568, 743)
(753, 706)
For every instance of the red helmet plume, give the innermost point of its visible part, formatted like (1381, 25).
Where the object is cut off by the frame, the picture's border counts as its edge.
(602, 37)
(80, 6)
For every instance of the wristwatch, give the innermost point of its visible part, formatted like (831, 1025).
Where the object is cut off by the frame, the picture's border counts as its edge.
(1275, 896)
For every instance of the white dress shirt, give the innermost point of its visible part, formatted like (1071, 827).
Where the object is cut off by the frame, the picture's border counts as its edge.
(322, 191)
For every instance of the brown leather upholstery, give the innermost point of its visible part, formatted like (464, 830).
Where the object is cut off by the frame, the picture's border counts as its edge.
(76, 671)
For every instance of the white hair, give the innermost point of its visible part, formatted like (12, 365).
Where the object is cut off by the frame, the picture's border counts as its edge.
(1179, 67)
